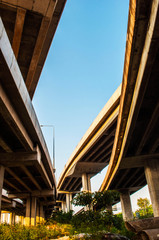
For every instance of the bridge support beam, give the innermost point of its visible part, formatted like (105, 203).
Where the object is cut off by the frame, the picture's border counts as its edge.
(86, 182)
(13, 218)
(126, 205)
(28, 212)
(1, 186)
(42, 217)
(68, 201)
(152, 177)
(38, 213)
(63, 206)
(33, 210)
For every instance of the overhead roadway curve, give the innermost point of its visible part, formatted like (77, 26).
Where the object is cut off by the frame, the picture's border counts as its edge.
(93, 152)
(137, 136)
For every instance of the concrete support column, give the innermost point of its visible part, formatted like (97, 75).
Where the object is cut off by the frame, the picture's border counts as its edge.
(152, 177)
(33, 211)
(68, 201)
(63, 206)
(38, 213)
(10, 218)
(28, 212)
(86, 182)
(13, 218)
(126, 205)
(6, 217)
(42, 217)
(1, 186)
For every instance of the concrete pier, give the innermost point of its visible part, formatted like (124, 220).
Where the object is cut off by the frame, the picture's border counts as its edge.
(126, 205)
(1, 186)
(152, 177)
(33, 210)
(42, 215)
(63, 206)
(68, 201)
(28, 212)
(86, 182)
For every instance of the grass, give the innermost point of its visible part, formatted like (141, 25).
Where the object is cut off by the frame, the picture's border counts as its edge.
(94, 224)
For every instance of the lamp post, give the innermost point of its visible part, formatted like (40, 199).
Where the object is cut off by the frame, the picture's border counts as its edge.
(53, 144)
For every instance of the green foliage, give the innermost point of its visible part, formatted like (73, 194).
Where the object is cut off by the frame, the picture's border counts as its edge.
(40, 232)
(83, 199)
(143, 203)
(92, 222)
(95, 222)
(104, 199)
(62, 217)
(145, 209)
(101, 200)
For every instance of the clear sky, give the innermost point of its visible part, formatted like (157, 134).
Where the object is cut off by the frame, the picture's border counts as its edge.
(83, 69)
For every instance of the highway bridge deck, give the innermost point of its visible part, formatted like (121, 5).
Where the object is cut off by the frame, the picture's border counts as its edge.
(26, 32)
(137, 136)
(93, 152)
(30, 26)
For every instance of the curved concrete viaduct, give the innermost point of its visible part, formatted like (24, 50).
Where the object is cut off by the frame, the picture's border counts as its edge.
(93, 152)
(133, 155)
(134, 160)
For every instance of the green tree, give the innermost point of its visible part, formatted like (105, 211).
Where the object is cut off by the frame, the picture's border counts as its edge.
(145, 209)
(103, 200)
(83, 199)
(143, 203)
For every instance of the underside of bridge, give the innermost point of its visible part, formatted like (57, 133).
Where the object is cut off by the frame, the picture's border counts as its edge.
(134, 160)
(130, 145)
(30, 26)
(137, 133)
(26, 172)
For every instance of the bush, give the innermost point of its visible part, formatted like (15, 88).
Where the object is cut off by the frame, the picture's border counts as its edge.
(40, 232)
(62, 217)
(92, 222)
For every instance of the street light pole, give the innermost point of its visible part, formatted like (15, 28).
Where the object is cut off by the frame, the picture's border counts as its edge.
(53, 144)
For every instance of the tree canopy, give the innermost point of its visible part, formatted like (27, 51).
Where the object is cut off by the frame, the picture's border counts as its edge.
(101, 200)
(145, 208)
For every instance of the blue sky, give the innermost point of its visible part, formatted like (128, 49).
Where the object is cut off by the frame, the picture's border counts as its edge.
(83, 69)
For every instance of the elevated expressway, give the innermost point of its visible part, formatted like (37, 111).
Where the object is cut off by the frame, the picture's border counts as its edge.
(30, 26)
(92, 154)
(26, 172)
(134, 160)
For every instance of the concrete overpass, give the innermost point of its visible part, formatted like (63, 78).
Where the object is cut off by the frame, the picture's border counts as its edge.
(134, 160)
(92, 154)
(26, 172)
(134, 153)
(30, 26)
